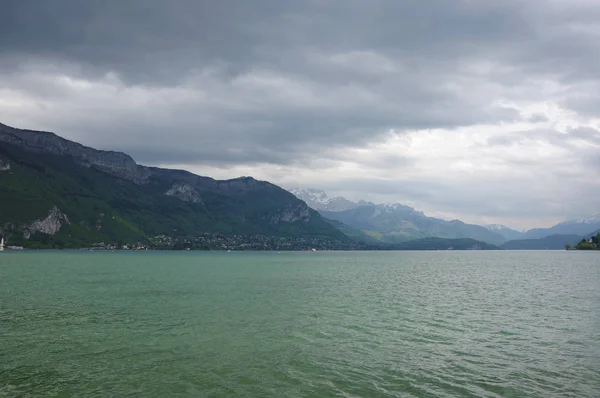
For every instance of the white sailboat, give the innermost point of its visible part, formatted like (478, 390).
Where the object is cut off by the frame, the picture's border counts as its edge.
(2, 244)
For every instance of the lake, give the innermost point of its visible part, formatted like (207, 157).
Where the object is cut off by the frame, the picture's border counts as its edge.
(347, 324)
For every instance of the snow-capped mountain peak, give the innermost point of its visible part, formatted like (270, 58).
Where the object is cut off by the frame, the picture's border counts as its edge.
(393, 207)
(319, 200)
(365, 203)
(581, 227)
(496, 227)
(314, 195)
(505, 231)
(589, 220)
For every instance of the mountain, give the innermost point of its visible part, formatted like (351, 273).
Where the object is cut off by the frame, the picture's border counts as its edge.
(444, 244)
(397, 223)
(508, 233)
(551, 242)
(58, 193)
(370, 222)
(319, 200)
(572, 227)
(588, 242)
(353, 233)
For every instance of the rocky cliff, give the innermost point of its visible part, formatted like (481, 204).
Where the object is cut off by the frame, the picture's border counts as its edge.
(184, 192)
(115, 163)
(292, 213)
(4, 165)
(49, 225)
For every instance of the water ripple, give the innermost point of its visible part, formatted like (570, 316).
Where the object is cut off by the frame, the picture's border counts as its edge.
(296, 325)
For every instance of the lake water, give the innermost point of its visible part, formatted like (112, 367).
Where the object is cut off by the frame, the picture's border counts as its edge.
(383, 324)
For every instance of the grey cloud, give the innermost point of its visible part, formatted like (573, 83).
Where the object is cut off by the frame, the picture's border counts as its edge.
(503, 141)
(537, 117)
(260, 117)
(156, 41)
(164, 44)
(571, 139)
(115, 33)
(586, 134)
(235, 82)
(495, 198)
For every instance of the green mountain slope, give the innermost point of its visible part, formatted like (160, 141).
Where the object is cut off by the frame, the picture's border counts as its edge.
(57, 193)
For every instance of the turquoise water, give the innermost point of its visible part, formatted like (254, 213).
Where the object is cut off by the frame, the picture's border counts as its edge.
(393, 324)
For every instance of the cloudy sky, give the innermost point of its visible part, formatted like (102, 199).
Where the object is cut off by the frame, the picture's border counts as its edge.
(487, 111)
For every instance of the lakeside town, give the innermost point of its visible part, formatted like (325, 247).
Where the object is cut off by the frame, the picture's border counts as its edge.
(218, 241)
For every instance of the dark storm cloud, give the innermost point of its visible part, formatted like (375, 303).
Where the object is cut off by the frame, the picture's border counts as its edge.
(151, 39)
(336, 51)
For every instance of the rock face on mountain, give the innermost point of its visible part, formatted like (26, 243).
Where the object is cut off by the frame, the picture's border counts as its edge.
(4, 166)
(49, 225)
(44, 173)
(184, 192)
(291, 214)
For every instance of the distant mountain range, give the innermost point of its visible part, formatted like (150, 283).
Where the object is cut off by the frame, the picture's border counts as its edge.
(551, 242)
(433, 243)
(391, 222)
(580, 227)
(396, 223)
(319, 200)
(508, 233)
